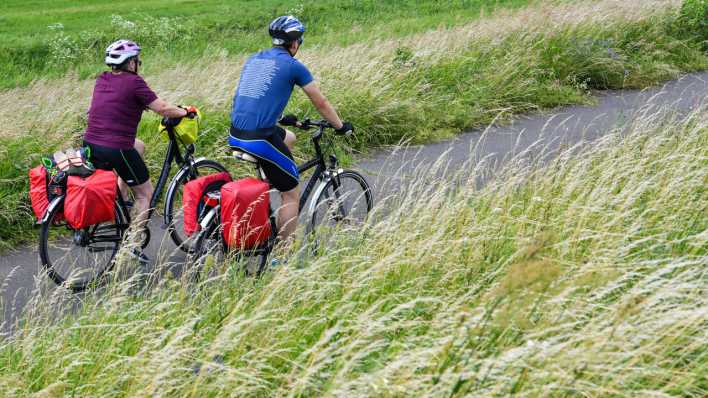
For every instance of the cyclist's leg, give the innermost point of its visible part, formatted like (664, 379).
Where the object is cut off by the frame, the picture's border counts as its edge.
(139, 146)
(143, 193)
(288, 211)
(287, 214)
(132, 170)
(103, 158)
(289, 139)
(283, 141)
(280, 169)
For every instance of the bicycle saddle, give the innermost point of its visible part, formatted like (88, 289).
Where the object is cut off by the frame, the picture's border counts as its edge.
(244, 156)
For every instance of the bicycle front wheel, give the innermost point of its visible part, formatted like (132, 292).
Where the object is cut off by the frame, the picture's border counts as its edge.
(75, 258)
(174, 216)
(345, 200)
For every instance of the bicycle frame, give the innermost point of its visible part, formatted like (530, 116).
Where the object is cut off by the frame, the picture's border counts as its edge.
(318, 162)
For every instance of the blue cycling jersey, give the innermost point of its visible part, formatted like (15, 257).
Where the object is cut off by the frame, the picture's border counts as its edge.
(266, 83)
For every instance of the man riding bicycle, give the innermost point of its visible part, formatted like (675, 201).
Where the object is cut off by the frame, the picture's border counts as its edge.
(264, 89)
(119, 99)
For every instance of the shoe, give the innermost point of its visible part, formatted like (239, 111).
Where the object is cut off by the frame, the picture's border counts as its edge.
(140, 256)
(275, 263)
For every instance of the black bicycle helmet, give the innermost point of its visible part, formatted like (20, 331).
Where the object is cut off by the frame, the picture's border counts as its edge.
(285, 30)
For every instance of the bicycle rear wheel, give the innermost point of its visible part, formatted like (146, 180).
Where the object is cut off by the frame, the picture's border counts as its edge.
(77, 258)
(208, 249)
(345, 200)
(210, 253)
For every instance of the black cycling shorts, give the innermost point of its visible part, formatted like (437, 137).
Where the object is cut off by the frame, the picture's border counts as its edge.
(128, 163)
(268, 145)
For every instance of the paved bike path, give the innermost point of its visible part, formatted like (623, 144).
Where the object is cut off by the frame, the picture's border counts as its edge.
(390, 169)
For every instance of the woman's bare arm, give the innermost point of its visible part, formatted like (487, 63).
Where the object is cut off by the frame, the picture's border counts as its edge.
(163, 108)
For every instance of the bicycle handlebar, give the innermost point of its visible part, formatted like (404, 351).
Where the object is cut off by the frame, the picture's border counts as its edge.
(307, 124)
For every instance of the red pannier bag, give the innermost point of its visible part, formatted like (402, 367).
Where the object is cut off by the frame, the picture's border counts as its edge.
(38, 191)
(90, 200)
(245, 213)
(193, 194)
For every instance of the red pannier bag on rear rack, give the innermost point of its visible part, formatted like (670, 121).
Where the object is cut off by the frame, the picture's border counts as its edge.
(38, 191)
(43, 191)
(90, 200)
(193, 194)
(245, 213)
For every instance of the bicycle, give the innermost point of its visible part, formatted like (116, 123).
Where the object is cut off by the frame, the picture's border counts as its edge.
(89, 252)
(338, 196)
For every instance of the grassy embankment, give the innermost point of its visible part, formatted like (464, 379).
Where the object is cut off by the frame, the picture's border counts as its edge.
(419, 87)
(585, 276)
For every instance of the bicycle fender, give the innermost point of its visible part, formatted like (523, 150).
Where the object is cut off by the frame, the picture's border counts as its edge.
(184, 169)
(320, 188)
(178, 176)
(58, 201)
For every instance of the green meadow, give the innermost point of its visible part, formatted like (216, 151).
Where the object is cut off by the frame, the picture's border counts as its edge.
(51, 38)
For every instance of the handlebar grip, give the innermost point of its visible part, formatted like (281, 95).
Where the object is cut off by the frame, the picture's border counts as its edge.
(347, 129)
(288, 120)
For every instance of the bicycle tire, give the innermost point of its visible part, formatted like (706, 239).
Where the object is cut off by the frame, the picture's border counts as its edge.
(347, 188)
(51, 242)
(206, 243)
(173, 203)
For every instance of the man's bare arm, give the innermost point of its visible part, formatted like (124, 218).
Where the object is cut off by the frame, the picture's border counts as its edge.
(323, 106)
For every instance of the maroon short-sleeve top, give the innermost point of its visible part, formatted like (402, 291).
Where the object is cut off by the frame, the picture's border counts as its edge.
(118, 102)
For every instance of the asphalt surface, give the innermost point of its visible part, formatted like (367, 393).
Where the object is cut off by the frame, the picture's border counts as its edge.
(391, 168)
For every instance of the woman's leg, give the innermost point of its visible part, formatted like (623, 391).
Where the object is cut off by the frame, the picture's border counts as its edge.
(139, 146)
(143, 193)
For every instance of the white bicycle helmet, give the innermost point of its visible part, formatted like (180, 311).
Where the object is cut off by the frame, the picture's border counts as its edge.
(120, 51)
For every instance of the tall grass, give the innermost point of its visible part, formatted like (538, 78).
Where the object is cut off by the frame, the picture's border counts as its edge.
(582, 276)
(421, 87)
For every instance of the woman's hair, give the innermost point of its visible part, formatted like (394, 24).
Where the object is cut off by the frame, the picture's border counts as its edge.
(124, 66)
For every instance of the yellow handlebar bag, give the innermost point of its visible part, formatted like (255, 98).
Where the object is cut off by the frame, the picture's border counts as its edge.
(187, 130)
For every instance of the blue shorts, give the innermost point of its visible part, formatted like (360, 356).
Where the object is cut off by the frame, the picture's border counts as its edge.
(268, 146)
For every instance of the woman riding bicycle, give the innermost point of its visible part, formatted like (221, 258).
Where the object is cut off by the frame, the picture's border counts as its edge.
(119, 99)
(264, 89)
